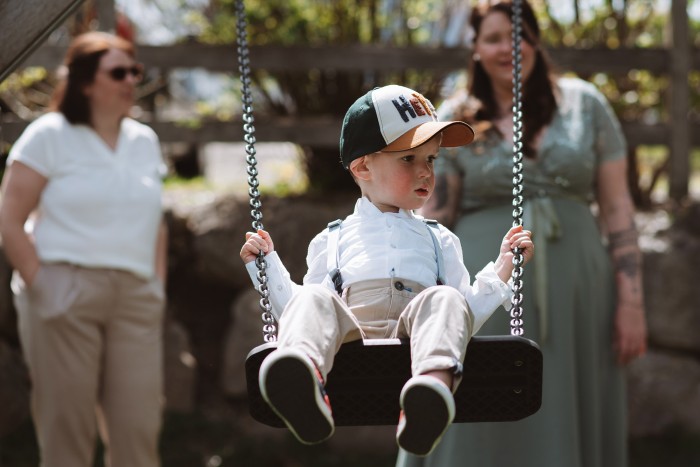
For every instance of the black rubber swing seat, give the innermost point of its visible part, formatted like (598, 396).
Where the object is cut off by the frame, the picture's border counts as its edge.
(502, 381)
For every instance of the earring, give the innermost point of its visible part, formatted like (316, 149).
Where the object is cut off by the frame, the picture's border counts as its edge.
(476, 57)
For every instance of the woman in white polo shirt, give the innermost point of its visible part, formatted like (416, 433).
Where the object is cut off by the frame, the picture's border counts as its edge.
(90, 263)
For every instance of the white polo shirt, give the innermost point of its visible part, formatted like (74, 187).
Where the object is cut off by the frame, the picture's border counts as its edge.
(100, 207)
(380, 245)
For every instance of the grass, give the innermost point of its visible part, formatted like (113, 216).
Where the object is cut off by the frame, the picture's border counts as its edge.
(173, 182)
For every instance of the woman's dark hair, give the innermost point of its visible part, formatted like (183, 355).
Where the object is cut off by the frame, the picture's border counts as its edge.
(81, 63)
(538, 101)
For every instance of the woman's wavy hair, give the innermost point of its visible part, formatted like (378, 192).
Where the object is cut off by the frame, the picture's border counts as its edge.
(80, 66)
(538, 101)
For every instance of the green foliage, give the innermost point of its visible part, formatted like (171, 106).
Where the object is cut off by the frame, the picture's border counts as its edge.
(318, 91)
(319, 23)
(294, 22)
(635, 95)
(173, 182)
(639, 24)
(23, 79)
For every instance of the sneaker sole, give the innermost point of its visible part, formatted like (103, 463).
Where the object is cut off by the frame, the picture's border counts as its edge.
(293, 393)
(426, 418)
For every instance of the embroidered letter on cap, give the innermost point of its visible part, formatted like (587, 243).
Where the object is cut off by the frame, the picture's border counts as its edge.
(404, 107)
(426, 104)
(416, 103)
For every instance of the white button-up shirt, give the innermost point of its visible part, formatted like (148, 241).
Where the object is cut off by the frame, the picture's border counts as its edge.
(378, 245)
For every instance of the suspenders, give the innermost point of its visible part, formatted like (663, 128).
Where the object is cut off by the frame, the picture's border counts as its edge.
(434, 229)
(333, 252)
(333, 255)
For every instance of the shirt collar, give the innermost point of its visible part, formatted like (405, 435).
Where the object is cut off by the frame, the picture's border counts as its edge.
(364, 207)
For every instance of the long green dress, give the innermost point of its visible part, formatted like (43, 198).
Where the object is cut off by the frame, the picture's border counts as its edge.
(569, 290)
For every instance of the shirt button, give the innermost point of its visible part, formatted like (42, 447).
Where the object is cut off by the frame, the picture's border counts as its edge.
(398, 285)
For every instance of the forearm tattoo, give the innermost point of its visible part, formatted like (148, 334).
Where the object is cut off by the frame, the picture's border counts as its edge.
(628, 264)
(623, 238)
(628, 261)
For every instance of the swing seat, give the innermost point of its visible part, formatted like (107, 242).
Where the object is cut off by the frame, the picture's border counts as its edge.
(502, 381)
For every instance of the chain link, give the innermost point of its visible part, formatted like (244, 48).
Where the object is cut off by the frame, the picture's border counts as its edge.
(269, 324)
(516, 312)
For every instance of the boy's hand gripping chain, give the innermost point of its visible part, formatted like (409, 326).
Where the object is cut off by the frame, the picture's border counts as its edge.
(269, 324)
(516, 312)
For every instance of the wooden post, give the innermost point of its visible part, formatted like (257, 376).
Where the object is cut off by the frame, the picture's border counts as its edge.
(106, 15)
(25, 24)
(680, 102)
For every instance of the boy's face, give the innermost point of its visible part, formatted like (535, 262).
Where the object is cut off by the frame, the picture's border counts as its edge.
(403, 179)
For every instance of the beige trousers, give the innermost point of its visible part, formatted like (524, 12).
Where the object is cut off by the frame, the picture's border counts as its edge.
(437, 320)
(92, 338)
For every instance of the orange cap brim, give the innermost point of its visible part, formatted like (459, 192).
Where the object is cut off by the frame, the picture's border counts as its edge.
(453, 134)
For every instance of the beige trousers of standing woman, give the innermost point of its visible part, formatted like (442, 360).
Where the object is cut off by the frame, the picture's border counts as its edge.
(92, 339)
(437, 319)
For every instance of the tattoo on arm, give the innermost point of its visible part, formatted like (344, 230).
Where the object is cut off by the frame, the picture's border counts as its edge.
(623, 238)
(628, 264)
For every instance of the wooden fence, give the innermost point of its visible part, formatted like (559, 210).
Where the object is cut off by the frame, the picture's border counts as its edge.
(676, 62)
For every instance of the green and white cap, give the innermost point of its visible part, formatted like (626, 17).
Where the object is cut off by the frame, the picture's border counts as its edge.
(395, 118)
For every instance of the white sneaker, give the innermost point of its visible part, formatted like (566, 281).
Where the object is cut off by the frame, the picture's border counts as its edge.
(427, 409)
(293, 387)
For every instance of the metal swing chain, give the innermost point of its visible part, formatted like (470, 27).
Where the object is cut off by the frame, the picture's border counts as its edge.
(269, 324)
(516, 312)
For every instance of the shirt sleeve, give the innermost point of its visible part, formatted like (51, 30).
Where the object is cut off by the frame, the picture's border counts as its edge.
(485, 294)
(610, 142)
(34, 148)
(279, 282)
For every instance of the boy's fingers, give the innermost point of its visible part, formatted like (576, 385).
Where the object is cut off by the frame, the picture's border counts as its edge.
(514, 231)
(520, 236)
(516, 240)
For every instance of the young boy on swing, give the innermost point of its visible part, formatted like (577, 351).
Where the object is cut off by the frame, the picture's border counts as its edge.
(382, 272)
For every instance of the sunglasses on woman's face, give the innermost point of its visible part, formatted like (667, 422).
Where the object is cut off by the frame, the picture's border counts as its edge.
(118, 73)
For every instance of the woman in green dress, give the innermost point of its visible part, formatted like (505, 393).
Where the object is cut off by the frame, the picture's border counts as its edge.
(583, 296)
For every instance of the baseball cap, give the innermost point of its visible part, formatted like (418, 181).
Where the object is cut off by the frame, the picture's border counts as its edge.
(395, 118)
